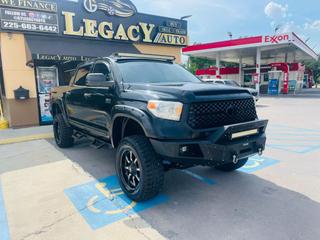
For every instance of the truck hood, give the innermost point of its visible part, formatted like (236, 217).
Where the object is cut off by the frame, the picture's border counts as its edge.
(183, 92)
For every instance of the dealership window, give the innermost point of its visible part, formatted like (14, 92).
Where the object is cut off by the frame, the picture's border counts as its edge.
(265, 77)
(49, 74)
(2, 89)
(248, 78)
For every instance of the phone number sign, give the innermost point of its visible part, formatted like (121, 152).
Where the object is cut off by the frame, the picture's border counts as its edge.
(24, 20)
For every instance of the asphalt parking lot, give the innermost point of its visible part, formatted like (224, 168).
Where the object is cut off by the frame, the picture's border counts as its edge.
(49, 193)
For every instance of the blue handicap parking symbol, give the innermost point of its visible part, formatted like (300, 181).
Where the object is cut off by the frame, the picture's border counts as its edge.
(257, 163)
(102, 202)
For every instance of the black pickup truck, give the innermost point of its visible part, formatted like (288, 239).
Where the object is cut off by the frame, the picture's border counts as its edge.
(158, 116)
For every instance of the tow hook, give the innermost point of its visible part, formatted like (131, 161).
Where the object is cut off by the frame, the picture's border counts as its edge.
(260, 151)
(235, 159)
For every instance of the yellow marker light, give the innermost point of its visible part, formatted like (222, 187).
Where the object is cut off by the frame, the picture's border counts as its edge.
(166, 109)
(152, 106)
(179, 110)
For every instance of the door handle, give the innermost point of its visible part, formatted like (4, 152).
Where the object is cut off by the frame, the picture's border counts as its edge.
(87, 95)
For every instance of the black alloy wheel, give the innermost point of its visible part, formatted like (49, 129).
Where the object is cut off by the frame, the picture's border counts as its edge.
(130, 169)
(140, 170)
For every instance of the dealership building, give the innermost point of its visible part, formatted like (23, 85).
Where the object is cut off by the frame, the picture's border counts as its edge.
(271, 64)
(42, 42)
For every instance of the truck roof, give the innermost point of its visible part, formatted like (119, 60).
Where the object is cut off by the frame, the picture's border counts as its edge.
(131, 56)
(125, 56)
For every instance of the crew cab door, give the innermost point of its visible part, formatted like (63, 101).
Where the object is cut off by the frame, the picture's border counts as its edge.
(99, 98)
(75, 99)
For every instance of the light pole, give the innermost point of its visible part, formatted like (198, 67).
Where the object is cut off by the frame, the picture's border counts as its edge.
(185, 17)
(277, 28)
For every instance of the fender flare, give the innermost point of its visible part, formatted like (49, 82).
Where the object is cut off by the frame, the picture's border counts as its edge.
(63, 110)
(134, 114)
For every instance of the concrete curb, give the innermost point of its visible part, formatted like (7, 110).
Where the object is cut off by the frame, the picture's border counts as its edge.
(26, 138)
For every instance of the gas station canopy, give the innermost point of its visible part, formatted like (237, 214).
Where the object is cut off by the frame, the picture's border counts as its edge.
(278, 51)
(278, 48)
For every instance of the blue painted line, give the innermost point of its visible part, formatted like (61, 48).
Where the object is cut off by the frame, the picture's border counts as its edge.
(281, 148)
(286, 147)
(293, 128)
(311, 149)
(293, 134)
(295, 140)
(4, 228)
(198, 177)
(292, 145)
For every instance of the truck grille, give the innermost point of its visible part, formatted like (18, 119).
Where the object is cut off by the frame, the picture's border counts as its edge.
(220, 113)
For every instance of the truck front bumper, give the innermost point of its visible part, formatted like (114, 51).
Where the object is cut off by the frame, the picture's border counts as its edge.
(222, 145)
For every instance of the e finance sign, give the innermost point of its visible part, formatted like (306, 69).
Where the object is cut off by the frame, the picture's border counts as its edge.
(106, 20)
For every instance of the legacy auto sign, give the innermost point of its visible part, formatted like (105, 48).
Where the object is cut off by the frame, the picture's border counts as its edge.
(95, 19)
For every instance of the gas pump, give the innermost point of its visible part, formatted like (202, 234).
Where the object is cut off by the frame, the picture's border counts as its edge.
(308, 79)
(275, 81)
(311, 81)
(305, 81)
(279, 78)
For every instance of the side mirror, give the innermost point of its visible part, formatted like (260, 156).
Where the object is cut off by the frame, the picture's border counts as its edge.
(98, 80)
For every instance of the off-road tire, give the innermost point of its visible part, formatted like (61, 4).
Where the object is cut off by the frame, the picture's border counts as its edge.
(231, 166)
(152, 171)
(62, 132)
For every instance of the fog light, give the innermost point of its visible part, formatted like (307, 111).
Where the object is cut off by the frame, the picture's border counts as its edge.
(184, 149)
(190, 150)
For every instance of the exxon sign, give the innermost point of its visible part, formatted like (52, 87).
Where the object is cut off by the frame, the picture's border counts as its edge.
(276, 39)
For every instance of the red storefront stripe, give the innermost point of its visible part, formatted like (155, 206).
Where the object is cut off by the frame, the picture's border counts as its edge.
(212, 71)
(230, 43)
(227, 71)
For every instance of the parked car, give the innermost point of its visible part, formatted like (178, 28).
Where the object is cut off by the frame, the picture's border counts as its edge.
(233, 83)
(158, 117)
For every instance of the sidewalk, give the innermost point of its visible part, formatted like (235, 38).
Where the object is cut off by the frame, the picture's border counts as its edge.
(34, 179)
(25, 134)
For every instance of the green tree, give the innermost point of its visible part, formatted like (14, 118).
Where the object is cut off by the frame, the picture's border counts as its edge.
(203, 63)
(314, 66)
(199, 63)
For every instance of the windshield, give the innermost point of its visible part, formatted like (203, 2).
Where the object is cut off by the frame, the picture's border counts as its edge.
(154, 72)
(232, 83)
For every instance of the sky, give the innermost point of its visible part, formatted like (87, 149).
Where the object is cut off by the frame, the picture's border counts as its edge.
(212, 19)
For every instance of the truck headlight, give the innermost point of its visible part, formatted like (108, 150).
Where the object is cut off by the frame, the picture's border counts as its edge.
(166, 110)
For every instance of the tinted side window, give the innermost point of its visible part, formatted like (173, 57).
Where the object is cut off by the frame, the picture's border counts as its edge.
(104, 69)
(219, 82)
(82, 73)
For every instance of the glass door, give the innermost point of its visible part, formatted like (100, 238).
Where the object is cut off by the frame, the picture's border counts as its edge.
(47, 79)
